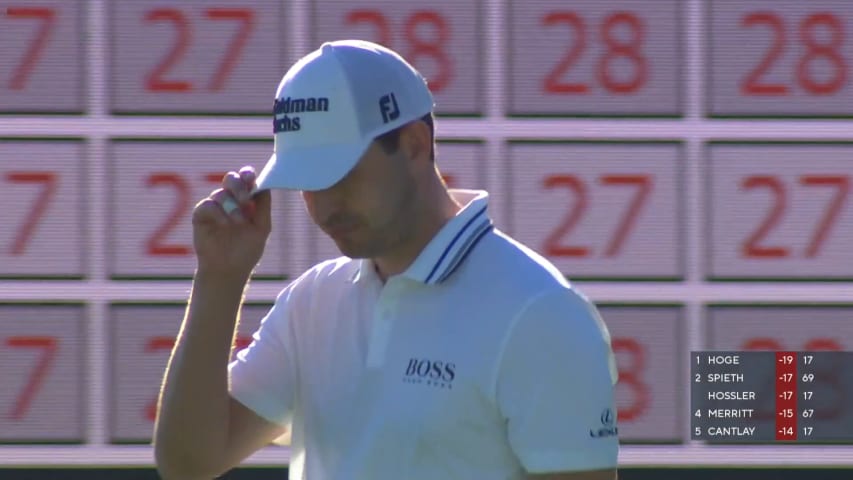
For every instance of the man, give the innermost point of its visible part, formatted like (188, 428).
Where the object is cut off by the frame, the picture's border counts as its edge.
(439, 348)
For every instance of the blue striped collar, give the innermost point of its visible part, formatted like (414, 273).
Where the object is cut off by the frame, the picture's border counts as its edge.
(452, 244)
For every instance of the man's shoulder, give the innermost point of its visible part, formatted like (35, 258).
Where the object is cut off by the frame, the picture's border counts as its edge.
(330, 272)
(504, 259)
(333, 273)
(514, 277)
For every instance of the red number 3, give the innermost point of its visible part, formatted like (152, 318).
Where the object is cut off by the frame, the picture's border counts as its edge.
(631, 377)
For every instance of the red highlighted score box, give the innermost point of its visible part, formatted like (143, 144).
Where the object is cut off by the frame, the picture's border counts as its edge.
(786, 396)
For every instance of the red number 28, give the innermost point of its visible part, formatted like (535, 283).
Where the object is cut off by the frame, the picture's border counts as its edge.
(816, 51)
(615, 49)
(418, 46)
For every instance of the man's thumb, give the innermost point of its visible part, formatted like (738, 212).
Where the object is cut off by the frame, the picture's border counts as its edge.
(261, 205)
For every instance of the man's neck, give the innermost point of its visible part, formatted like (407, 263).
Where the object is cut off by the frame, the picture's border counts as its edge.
(434, 219)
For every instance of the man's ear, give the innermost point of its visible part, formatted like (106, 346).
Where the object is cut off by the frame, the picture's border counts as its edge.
(416, 140)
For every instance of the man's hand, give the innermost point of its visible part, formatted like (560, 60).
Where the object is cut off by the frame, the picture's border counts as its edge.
(231, 226)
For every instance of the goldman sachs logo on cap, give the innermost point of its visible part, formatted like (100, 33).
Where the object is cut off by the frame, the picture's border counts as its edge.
(283, 110)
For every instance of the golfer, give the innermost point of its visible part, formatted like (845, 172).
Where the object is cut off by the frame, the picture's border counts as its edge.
(438, 347)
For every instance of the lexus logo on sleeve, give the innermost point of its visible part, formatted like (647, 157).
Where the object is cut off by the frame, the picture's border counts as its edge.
(432, 373)
(608, 425)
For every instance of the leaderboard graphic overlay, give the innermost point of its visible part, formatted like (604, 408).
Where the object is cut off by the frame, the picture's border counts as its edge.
(765, 397)
(687, 163)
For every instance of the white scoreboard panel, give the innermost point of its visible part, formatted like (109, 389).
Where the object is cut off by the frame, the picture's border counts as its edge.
(687, 163)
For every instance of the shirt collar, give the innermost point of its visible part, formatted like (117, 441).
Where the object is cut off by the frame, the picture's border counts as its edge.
(451, 245)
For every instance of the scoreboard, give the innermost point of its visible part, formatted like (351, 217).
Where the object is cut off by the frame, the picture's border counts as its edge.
(747, 397)
(687, 163)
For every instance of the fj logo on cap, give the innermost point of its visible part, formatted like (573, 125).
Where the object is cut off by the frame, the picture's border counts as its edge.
(388, 107)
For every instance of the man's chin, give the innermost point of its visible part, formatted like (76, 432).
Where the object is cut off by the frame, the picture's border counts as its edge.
(357, 251)
(350, 250)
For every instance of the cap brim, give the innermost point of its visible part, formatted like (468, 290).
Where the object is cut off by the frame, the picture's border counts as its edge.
(315, 168)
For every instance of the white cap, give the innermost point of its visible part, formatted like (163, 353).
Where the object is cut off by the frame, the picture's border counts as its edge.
(332, 104)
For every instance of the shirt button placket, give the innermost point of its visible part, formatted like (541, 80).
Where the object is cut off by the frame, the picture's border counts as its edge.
(380, 331)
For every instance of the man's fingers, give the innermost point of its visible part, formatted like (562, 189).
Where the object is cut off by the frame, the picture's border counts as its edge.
(209, 211)
(228, 205)
(233, 183)
(261, 202)
(247, 175)
(234, 201)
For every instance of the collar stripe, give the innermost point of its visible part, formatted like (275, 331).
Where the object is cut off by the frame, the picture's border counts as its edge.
(464, 251)
(452, 243)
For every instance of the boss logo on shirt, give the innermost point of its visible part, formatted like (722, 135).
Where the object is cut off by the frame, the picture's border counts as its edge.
(608, 425)
(432, 373)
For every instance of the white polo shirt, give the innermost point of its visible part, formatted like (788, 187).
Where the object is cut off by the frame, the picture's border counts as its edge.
(478, 362)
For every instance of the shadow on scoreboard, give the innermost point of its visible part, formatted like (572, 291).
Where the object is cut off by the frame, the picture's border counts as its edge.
(258, 473)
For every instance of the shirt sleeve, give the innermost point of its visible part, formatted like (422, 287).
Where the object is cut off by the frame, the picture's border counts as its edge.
(263, 376)
(555, 386)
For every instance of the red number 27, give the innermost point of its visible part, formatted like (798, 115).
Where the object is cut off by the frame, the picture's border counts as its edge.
(753, 246)
(156, 81)
(554, 245)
